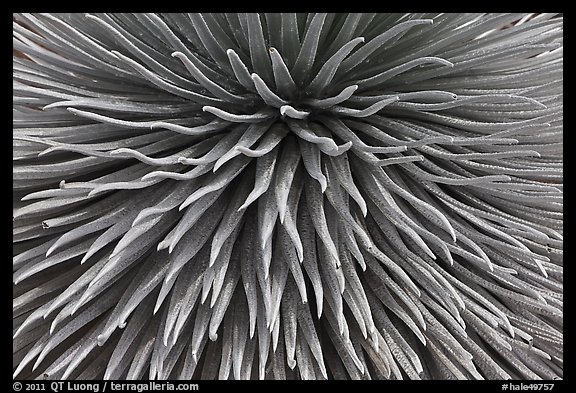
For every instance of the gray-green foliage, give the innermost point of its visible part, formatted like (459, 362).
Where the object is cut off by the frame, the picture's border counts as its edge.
(367, 196)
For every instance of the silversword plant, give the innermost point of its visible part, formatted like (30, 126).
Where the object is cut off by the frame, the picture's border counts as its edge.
(287, 196)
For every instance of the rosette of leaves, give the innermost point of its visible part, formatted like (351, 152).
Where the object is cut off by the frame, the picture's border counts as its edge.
(236, 196)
